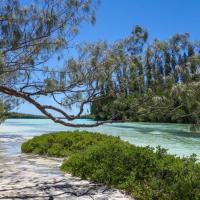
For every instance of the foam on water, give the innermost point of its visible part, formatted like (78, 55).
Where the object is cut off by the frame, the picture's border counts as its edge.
(10, 139)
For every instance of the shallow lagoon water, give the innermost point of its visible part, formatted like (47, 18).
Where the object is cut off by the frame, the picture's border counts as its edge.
(177, 138)
(24, 175)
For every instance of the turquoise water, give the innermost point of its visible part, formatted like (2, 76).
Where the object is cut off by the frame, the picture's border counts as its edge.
(177, 138)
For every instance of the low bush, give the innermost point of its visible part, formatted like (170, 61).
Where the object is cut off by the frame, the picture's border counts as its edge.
(63, 144)
(144, 172)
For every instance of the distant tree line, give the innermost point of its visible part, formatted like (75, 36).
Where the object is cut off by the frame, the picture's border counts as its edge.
(15, 115)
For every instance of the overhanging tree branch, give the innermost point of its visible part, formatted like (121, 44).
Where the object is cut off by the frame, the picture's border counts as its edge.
(44, 108)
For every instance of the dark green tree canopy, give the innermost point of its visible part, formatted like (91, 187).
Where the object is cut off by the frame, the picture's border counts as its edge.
(156, 81)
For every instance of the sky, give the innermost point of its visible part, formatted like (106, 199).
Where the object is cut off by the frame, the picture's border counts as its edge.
(116, 19)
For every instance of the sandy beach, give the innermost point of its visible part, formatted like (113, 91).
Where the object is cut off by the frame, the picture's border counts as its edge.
(31, 177)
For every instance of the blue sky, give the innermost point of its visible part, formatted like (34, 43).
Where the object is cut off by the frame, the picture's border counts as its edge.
(116, 18)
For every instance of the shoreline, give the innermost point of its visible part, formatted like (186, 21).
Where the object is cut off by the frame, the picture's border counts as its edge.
(36, 177)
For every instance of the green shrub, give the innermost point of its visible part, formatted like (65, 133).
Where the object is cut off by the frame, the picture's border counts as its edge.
(144, 172)
(62, 144)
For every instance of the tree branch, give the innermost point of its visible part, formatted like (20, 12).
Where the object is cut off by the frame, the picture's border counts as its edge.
(44, 108)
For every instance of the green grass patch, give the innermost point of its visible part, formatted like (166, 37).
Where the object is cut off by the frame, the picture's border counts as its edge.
(144, 172)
